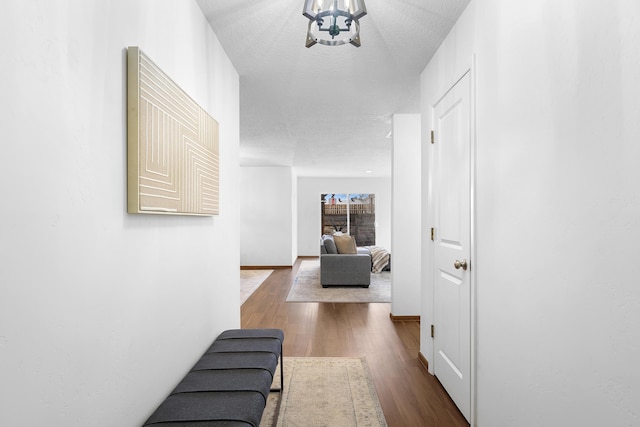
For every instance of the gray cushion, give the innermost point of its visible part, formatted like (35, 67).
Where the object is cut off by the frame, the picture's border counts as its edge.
(255, 345)
(221, 361)
(239, 406)
(257, 380)
(330, 246)
(236, 334)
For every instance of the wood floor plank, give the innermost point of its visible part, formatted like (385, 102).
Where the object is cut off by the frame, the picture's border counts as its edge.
(409, 397)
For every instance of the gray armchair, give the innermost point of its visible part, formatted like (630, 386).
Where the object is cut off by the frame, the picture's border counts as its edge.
(343, 269)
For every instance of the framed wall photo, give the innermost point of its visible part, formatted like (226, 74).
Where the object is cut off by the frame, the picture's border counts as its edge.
(172, 145)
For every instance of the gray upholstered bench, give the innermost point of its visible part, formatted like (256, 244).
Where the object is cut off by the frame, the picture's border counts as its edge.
(229, 385)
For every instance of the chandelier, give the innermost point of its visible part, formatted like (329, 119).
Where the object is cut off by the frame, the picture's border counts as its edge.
(336, 21)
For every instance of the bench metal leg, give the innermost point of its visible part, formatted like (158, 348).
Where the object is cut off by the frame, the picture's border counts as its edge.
(279, 390)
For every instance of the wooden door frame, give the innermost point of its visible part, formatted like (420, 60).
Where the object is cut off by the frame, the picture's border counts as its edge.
(471, 70)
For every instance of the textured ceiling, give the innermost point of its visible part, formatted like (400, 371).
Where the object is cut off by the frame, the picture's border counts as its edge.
(326, 110)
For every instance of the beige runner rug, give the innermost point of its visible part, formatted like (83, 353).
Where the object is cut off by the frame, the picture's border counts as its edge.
(324, 392)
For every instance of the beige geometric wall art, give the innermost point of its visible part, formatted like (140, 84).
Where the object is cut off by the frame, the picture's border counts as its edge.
(173, 164)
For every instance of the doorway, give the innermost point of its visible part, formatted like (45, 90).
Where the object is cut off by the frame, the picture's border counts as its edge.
(349, 213)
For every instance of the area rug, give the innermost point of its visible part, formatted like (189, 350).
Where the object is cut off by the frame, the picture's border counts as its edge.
(307, 288)
(250, 280)
(324, 392)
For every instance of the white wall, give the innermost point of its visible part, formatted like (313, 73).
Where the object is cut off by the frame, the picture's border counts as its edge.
(406, 215)
(102, 312)
(309, 218)
(558, 208)
(294, 216)
(267, 216)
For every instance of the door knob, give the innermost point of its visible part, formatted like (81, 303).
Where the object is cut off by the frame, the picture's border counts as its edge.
(460, 264)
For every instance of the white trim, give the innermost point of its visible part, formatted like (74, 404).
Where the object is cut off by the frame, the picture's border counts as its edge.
(472, 248)
(431, 260)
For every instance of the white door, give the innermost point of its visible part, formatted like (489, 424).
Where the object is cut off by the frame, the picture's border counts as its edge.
(452, 239)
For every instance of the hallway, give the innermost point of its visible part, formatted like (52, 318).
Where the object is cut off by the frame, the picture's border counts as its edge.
(409, 396)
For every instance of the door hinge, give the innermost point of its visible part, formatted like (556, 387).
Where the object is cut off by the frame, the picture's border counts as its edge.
(433, 333)
(433, 234)
(433, 137)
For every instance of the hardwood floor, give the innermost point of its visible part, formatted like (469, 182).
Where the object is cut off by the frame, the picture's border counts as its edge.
(409, 396)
